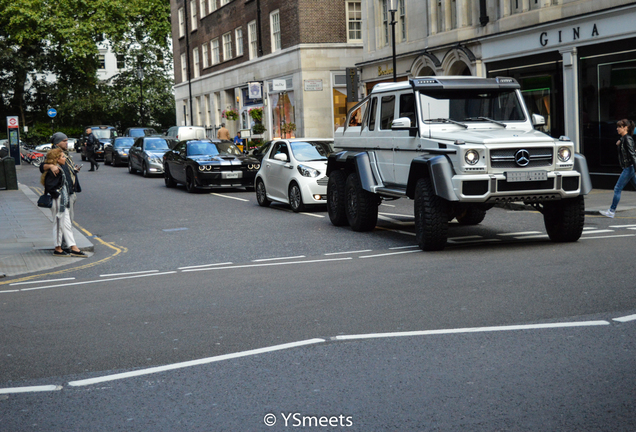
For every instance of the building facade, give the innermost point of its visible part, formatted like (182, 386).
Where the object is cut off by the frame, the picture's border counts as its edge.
(287, 58)
(575, 59)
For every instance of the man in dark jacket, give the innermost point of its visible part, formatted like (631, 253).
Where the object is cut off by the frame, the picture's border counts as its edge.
(91, 146)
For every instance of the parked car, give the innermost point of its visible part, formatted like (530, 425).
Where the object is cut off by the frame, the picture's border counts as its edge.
(294, 172)
(146, 155)
(47, 146)
(139, 132)
(182, 133)
(208, 163)
(104, 134)
(44, 147)
(117, 154)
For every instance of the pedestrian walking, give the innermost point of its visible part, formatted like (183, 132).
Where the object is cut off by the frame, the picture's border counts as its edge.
(627, 161)
(223, 134)
(60, 140)
(91, 147)
(58, 187)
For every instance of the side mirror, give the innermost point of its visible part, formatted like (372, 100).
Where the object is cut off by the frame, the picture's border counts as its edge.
(281, 157)
(538, 120)
(401, 123)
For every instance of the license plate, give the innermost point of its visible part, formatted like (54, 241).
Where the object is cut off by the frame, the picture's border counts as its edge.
(231, 175)
(522, 176)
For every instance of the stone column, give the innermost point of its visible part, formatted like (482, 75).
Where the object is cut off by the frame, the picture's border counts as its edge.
(464, 11)
(525, 5)
(448, 21)
(432, 6)
(571, 95)
(504, 5)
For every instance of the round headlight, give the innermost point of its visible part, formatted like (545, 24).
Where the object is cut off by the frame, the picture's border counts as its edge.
(471, 157)
(564, 154)
(201, 167)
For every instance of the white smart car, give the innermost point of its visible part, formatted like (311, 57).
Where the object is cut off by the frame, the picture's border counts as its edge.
(293, 172)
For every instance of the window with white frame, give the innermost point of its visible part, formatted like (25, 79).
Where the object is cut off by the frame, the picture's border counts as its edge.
(202, 7)
(195, 56)
(224, 2)
(252, 39)
(354, 21)
(238, 36)
(402, 19)
(216, 55)
(184, 68)
(227, 46)
(101, 61)
(274, 21)
(385, 21)
(121, 61)
(204, 54)
(211, 5)
(181, 23)
(193, 11)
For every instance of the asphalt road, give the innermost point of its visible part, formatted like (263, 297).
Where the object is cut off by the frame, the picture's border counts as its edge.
(181, 277)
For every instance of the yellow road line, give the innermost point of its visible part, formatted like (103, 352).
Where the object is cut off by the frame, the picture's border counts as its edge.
(118, 250)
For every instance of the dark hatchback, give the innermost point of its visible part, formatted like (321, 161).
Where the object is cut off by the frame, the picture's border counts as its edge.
(209, 163)
(117, 154)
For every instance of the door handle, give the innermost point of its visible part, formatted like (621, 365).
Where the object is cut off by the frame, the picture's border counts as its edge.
(289, 166)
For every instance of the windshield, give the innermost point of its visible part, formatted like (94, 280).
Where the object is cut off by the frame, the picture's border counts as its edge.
(103, 133)
(124, 142)
(156, 144)
(198, 148)
(305, 151)
(471, 105)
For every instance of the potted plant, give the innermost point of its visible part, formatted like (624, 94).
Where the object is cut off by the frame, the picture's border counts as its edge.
(230, 114)
(256, 114)
(258, 129)
(288, 128)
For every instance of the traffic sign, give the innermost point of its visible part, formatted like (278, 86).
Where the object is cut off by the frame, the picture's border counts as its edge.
(12, 122)
(52, 112)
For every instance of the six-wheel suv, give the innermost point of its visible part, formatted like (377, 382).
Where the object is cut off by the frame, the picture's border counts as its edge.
(457, 146)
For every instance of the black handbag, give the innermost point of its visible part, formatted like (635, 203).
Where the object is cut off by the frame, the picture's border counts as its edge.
(45, 200)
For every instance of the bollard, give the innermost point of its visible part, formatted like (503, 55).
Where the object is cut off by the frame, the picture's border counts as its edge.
(10, 176)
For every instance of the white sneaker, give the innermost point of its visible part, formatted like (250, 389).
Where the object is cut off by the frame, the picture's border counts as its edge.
(607, 213)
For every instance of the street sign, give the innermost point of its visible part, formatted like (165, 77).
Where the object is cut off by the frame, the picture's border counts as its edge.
(52, 112)
(12, 122)
(279, 85)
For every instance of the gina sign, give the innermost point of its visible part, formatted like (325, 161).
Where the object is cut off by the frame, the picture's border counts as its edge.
(569, 35)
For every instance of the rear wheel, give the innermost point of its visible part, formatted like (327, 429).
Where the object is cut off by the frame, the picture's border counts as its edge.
(296, 198)
(431, 217)
(564, 219)
(261, 194)
(191, 185)
(361, 205)
(336, 198)
(170, 183)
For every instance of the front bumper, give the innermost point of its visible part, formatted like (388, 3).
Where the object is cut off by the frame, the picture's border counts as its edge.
(154, 167)
(314, 191)
(235, 178)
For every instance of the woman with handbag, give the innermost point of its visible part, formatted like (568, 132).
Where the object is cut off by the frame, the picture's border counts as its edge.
(58, 186)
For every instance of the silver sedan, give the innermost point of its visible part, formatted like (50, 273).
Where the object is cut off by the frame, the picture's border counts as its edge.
(147, 153)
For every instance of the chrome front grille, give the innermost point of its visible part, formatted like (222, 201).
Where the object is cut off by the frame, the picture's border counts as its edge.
(505, 158)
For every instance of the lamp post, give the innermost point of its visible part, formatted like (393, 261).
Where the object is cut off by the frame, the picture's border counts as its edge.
(393, 9)
(140, 75)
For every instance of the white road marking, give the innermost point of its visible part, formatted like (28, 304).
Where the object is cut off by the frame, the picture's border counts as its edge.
(465, 238)
(280, 258)
(190, 363)
(589, 228)
(626, 318)
(395, 221)
(228, 196)
(97, 281)
(473, 330)
(390, 253)
(482, 240)
(204, 265)
(388, 205)
(609, 236)
(41, 281)
(311, 214)
(532, 237)
(597, 231)
(622, 226)
(348, 252)
(32, 389)
(398, 215)
(519, 233)
(9, 291)
(396, 231)
(404, 247)
(269, 264)
(130, 273)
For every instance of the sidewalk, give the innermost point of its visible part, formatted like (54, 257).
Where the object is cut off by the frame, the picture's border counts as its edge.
(26, 235)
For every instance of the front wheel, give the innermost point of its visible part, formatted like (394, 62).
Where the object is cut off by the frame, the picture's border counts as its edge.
(130, 167)
(296, 198)
(170, 183)
(36, 162)
(564, 219)
(145, 171)
(191, 185)
(336, 198)
(431, 217)
(361, 205)
(261, 194)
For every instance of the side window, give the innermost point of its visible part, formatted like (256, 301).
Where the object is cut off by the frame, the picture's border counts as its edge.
(356, 117)
(407, 107)
(281, 147)
(373, 113)
(387, 112)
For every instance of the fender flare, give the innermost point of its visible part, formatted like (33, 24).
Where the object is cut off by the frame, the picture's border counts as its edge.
(354, 161)
(439, 169)
(580, 165)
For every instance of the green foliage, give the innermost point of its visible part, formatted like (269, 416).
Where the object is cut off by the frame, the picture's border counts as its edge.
(258, 129)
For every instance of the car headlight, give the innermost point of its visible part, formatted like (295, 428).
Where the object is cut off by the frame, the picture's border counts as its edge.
(201, 168)
(156, 160)
(122, 152)
(471, 157)
(564, 154)
(306, 171)
(255, 166)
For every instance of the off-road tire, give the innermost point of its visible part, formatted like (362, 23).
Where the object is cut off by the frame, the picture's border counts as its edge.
(261, 194)
(336, 198)
(471, 216)
(361, 206)
(170, 183)
(431, 217)
(564, 219)
(295, 198)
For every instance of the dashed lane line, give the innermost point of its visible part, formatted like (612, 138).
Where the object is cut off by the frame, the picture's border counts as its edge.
(129, 273)
(229, 196)
(278, 258)
(42, 281)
